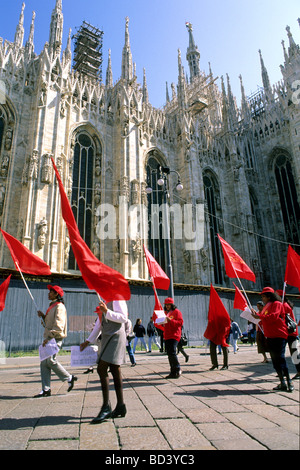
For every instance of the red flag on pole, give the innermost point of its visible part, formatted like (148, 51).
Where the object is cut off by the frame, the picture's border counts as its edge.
(66, 209)
(292, 271)
(3, 291)
(107, 282)
(240, 302)
(110, 284)
(218, 326)
(157, 274)
(235, 266)
(24, 259)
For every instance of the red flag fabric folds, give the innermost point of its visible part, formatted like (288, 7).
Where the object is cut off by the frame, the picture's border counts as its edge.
(159, 277)
(66, 209)
(292, 271)
(107, 282)
(240, 302)
(219, 323)
(24, 259)
(235, 266)
(110, 284)
(3, 291)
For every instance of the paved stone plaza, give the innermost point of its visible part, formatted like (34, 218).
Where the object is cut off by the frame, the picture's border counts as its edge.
(234, 409)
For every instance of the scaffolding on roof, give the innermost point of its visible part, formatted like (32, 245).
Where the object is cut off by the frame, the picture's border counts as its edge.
(88, 51)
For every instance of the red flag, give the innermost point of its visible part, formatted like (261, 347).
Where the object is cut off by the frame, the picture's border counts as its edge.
(66, 209)
(110, 284)
(159, 277)
(240, 302)
(3, 292)
(218, 327)
(24, 259)
(235, 266)
(292, 271)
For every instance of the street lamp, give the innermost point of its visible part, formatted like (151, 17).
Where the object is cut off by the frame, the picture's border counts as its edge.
(163, 182)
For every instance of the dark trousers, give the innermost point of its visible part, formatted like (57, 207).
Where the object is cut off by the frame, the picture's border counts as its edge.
(213, 354)
(276, 348)
(171, 349)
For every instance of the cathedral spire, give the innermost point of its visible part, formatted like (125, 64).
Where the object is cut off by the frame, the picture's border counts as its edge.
(231, 103)
(126, 55)
(225, 116)
(109, 75)
(56, 30)
(145, 90)
(286, 57)
(265, 77)
(182, 99)
(19, 36)
(167, 93)
(67, 54)
(29, 46)
(294, 48)
(192, 55)
(245, 111)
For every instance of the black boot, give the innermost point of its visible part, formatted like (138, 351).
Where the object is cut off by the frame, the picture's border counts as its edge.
(119, 411)
(104, 414)
(282, 386)
(290, 385)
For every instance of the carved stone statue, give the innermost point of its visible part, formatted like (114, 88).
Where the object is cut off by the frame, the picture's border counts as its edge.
(42, 232)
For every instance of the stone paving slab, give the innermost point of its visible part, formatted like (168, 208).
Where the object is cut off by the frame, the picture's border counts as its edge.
(234, 409)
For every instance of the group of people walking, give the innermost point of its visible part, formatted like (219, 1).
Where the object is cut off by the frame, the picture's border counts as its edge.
(115, 329)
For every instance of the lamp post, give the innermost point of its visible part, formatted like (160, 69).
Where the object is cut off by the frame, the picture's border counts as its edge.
(163, 182)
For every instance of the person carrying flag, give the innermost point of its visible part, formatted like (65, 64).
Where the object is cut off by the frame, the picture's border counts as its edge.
(55, 323)
(172, 334)
(272, 317)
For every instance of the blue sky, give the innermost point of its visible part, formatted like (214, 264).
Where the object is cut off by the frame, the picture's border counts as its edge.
(228, 34)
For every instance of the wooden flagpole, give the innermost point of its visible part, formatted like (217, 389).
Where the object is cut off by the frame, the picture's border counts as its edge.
(28, 290)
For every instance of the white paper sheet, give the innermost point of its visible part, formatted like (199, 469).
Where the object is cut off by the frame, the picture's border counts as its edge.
(160, 316)
(49, 350)
(248, 316)
(87, 357)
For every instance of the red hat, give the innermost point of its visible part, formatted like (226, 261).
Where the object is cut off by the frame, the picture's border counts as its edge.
(279, 292)
(169, 300)
(56, 289)
(267, 289)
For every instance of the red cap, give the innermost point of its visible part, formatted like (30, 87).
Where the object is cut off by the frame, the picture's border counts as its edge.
(267, 289)
(56, 289)
(279, 292)
(169, 300)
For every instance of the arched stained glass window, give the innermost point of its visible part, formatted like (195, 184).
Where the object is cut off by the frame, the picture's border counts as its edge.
(288, 198)
(82, 188)
(156, 243)
(211, 192)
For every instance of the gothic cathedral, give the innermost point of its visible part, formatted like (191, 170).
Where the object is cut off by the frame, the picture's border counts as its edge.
(241, 165)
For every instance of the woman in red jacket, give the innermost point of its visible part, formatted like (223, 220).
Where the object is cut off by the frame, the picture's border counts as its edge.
(272, 317)
(172, 335)
(292, 337)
